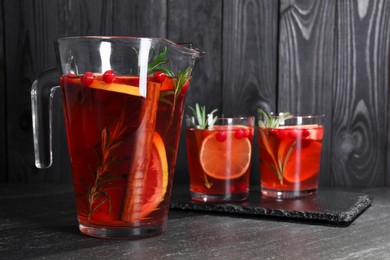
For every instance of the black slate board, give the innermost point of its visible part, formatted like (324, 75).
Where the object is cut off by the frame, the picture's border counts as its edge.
(333, 207)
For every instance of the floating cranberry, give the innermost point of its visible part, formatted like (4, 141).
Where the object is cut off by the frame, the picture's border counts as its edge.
(247, 133)
(109, 76)
(87, 78)
(239, 134)
(221, 136)
(278, 133)
(305, 133)
(159, 76)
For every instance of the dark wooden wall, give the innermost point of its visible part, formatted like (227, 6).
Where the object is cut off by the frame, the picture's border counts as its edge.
(328, 56)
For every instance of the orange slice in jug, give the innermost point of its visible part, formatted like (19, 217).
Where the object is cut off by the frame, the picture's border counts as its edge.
(228, 159)
(156, 179)
(121, 85)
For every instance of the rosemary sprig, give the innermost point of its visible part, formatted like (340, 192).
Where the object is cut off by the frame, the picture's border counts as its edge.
(110, 140)
(271, 121)
(204, 120)
(279, 161)
(182, 79)
(155, 63)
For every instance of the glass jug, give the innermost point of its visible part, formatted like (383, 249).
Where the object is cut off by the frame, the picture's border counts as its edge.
(123, 101)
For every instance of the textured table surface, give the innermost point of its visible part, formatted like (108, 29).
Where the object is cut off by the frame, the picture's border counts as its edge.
(37, 221)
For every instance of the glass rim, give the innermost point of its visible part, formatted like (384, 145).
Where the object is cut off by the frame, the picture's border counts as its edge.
(194, 51)
(313, 116)
(227, 117)
(235, 118)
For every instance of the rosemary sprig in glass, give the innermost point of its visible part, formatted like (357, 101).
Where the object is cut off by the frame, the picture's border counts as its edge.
(279, 162)
(271, 121)
(203, 120)
(157, 63)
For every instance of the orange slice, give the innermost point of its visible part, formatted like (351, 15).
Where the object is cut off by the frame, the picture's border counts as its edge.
(156, 178)
(167, 84)
(225, 160)
(305, 166)
(98, 83)
(115, 87)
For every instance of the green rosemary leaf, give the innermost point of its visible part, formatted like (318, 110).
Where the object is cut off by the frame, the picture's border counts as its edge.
(166, 93)
(168, 72)
(182, 79)
(166, 101)
(202, 118)
(159, 60)
(270, 121)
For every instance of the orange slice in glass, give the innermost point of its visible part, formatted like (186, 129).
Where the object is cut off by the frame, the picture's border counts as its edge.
(224, 160)
(305, 166)
(156, 178)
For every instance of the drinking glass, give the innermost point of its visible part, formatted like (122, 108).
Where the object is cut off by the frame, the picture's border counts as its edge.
(219, 159)
(290, 153)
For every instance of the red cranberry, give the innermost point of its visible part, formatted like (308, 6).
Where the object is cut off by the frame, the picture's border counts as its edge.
(87, 78)
(221, 136)
(247, 133)
(109, 76)
(278, 133)
(305, 133)
(239, 134)
(159, 76)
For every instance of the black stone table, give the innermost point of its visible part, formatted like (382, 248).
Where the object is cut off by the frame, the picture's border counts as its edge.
(37, 221)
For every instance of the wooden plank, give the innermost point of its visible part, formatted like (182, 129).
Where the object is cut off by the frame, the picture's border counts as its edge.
(3, 138)
(249, 56)
(360, 94)
(199, 22)
(146, 18)
(30, 28)
(306, 64)
(250, 53)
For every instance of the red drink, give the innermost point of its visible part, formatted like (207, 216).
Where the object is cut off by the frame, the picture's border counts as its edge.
(219, 162)
(123, 131)
(122, 148)
(290, 160)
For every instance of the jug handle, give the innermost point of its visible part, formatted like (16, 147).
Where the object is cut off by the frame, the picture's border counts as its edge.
(42, 93)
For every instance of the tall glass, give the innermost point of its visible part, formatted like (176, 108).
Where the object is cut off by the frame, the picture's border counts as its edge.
(123, 101)
(290, 154)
